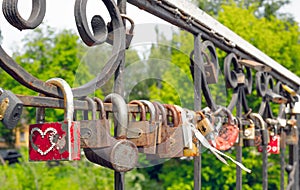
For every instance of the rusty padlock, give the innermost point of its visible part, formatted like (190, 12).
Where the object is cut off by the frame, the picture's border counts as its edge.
(163, 141)
(210, 73)
(172, 141)
(122, 155)
(95, 132)
(160, 120)
(249, 134)
(138, 131)
(152, 134)
(291, 132)
(229, 132)
(129, 33)
(59, 140)
(210, 63)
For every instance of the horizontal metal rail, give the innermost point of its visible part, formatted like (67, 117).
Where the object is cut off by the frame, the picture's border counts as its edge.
(189, 17)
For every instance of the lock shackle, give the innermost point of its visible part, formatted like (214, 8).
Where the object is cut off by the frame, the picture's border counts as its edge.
(227, 112)
(151, 109)
(124, 16)
(91, 103)
(68, 101)
(162, 111)
(181, 114)
(254, 116)
(142, 107)
(121, 118)
(190, 115)
(201, 114)
(174, 114)
(99, 102)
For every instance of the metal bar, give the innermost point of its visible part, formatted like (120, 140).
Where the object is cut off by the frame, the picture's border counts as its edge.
(187, 16)
(119, 89)
(282, 167)
(198, 66)
(239, 153)
(265, 168)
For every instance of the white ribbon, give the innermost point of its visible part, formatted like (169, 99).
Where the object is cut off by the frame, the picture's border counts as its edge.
(216, 152)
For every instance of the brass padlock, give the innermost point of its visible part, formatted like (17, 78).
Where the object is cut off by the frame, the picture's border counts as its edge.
(249, 134)
(138, 131)
(129, 33)
(204, 125)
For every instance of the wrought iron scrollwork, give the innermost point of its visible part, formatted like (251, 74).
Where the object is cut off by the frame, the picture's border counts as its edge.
(8, 64)
(238, 78)
(12, 15)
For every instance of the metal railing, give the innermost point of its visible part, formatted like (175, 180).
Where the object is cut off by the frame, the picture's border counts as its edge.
(274, 83)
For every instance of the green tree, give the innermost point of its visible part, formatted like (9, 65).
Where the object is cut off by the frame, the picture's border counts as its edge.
(275, 36)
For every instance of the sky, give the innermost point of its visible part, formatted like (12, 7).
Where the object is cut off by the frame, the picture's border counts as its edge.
(60, 15)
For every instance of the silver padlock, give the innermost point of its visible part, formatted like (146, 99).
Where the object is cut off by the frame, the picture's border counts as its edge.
(10, 109)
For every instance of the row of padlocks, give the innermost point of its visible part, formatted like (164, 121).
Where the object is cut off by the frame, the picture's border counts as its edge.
(157, 130)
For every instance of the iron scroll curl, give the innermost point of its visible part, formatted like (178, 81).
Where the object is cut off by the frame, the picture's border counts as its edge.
(8, 64)
(12, 15)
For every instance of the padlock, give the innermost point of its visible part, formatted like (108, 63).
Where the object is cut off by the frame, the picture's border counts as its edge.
(204, 125)
(191, 148)
(291, 132)
(163, 140)
(229, 132)
(261, 133)
(172, 145)
(122, 155)
(60, 140)
(138, 131)
(10, 109)
(129, 33)
(249, 134)
(274, 142)
(160, 120)
(210, 73)
(95, 133)
(152, 133)
(296, 106)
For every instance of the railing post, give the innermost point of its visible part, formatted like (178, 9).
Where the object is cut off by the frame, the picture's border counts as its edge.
(119, 89)
(197, 103)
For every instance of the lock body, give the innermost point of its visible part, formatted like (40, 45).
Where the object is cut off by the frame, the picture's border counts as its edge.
(211, 73)
(58, 140)
(273, 145)
(227, 137)
(10, 109)
(54, 141)
(292, 136)
(249, 135)
(95, 133)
